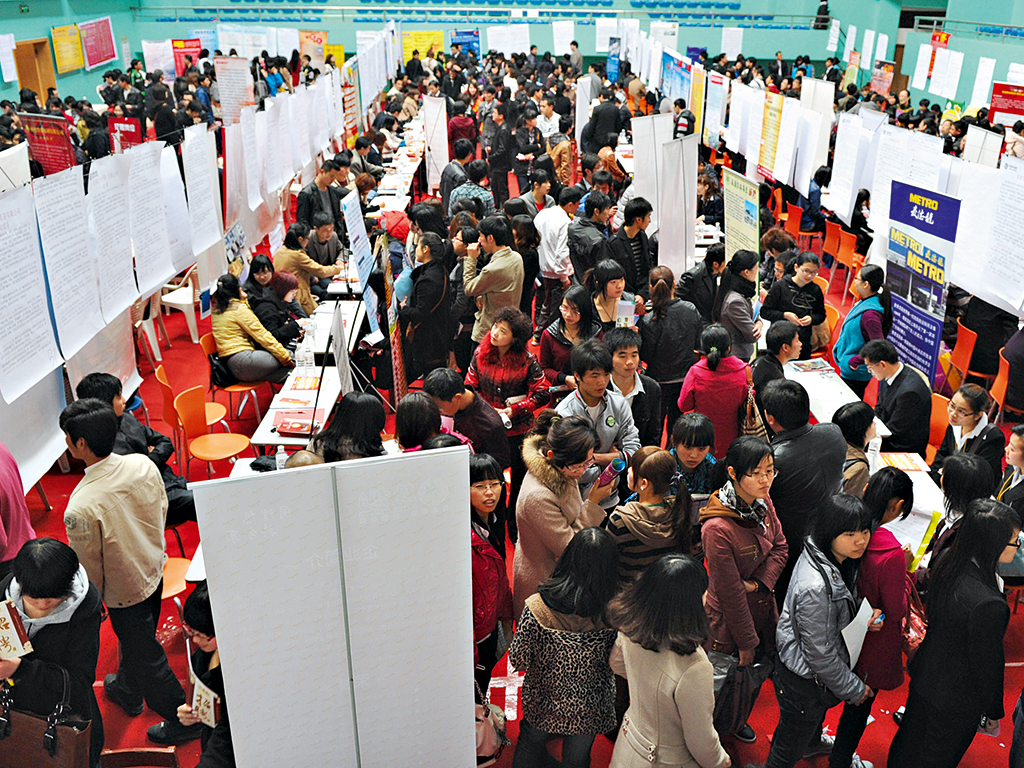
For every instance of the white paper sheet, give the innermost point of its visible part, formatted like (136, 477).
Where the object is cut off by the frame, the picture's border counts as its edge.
(179, 233)
(153, 265)
(732, 41)
(605, 29)
(287, 41)
(202, 196)
(435, 124)
(756, 103)
(982, 146)
(28, 348)
(981, 94)
(867, 56)
(833, 36)
(937, 86)
(851, 39)
(302, 152)
(855, 632)
(112, 350)
(159, 54)
(30, 429)
(1015, 74)
(8, 69)
(785, 149)
(14, 167)
(739, 108)
(951, 82)
(841, 187)
(72, 273)
(810, 131)
(924, 57)
(251, 158)
(110, 234)
(666, 32)
(882, 47)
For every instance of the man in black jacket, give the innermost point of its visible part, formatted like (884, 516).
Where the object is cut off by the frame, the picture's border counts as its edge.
(320, 195)
(132, 99)
(589, 164)
(454, 174)
(783, 342)
(808, 466)
(904, 398)
(631, 248)
(500, 156)
(777, 68)
(605, 119)
(641, 392)
(699, 284)
(414, 67)
(133, 437)
(587, 242)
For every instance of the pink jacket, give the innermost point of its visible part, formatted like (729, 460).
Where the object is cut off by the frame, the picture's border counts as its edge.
(718, 395)
(15, 526)
(883, 582)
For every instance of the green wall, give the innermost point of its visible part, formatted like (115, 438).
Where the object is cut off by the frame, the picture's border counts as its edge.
(1003, 53)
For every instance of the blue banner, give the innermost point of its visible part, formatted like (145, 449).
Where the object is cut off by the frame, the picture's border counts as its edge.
(469, 39)
(922, 230)
(675, 78)
(612, 64)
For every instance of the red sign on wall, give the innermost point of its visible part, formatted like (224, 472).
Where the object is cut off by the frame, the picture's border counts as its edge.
(939, 40)
(49, 141)
(183, 48)
(1007, 105)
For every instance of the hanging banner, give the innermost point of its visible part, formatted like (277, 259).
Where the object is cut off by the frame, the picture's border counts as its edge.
(675, 78)
(922, 230)
(311, 43)
(469, 39)
(183, 48)
(124, 132)
(67, 48)
(770, 134)
(742, 213)
(939, 40)
(695, 103)
(49, 141)
(427, 41)
(881, 76)
(612, 62)
(1007, 103)
(718, 92)
(97, 42)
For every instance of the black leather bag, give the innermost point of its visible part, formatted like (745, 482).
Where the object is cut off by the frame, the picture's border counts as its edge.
(220, 374)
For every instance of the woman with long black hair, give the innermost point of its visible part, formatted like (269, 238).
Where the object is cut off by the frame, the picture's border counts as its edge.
(870, 318)
(733, 307)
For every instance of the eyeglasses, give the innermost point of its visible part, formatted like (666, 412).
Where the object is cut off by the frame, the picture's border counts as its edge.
(958, 411)
(1016, 544)
(493, 485)
(581, 467)
(766, 475)
(191, 633)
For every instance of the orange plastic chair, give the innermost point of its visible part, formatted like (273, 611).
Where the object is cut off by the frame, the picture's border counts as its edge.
(832, 318)
(939, 423)
(999, 386)
(849, 258)
(793, 217)
(247, 388)
(775, 204)
(831, 248)
(215, 412)
(202, 445)
(174, 576)
(822, 283)
(960, 357)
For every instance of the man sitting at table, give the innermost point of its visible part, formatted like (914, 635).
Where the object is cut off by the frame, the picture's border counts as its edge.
(361, 162)
(808, 466)
(324, 248)
(133, 437)
(904, 398)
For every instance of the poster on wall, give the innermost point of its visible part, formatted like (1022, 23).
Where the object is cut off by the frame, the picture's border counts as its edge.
(881, 76)
(206, 37)
(922, 231)
(97, 42)
(469, 39)
(337, 51)
(67, 48)
(159, 54)
(675, 77)
(427, 41)
(770, 134)
(183, 48)
(1007, 103)
(49, 141)
(742, 213)
(311, 43)
(718, 93)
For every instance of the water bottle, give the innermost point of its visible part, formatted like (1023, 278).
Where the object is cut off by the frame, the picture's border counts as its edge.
(615, 466)
(280, 457)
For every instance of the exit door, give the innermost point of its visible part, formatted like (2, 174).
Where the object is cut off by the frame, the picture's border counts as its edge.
(34, 63)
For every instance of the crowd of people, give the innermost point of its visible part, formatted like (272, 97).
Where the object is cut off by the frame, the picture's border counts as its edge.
(660, 540)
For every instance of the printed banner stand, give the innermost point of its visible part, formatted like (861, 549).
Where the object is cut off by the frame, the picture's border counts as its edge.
(922, 231)
(49, 141)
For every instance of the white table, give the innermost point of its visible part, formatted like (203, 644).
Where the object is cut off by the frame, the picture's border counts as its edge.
(346, 284)
(292, 399)
(827, 392)
(929, 506)
(352, 314)
(624, 154)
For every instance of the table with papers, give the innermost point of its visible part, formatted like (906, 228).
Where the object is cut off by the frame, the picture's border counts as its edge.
(624, 154)
(826, 390)
(352, 314)
(929, 503)
(346, 284)
(292, 398)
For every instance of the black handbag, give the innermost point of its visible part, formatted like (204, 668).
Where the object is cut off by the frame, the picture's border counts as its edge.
(735, 700)
(220, 374)
(27, 740)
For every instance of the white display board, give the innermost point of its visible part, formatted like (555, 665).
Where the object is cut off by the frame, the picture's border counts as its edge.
(29, 427)
(348, 602)
(435, 126)
(203, 200)
(650, 134)
(584, 94)
(14, 167)
(677, 235)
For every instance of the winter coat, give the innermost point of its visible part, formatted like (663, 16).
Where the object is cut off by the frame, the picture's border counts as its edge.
(303, 267)
(426, 315)
(786, 296)
(718, 394)
(737, 315)
(818, 606)
(738, 551)
(643, 534)
(272, 312)
(698, 286)
(569, 688)
(882, 581)
(499, 285)
(549, 512)
(637, 269)
(492, 597)
(556, 349)
(668, 342)
(587, 245)
(517, 376)
(852, 337)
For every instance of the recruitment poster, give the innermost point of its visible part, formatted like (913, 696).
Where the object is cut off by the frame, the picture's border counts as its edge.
(427, 41)
(881, 76)
(49, 141)
(675, 77)
(311, 43)
(67, 48)
(469, 39)
(718, 92)
(698, 85)
(337, 51)
(770, 134)
(1007, 103)
(742, 213)
(97, 42)
(124, 132)
(183, 48)
(612, 62)
(922, 230)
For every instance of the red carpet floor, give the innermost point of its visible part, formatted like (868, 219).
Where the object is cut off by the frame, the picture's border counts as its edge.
(187, 367)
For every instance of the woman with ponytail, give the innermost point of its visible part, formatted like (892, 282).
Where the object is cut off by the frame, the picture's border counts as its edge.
(870, 318)
(717, 387)
(656, 523)
(250, 350)
(732, 306)
(669, 335)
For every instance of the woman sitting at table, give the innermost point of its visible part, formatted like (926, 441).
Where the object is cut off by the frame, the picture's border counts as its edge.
(710, 207)
(970, 432)
(354, 429)
(250, 350)
(365, 184)
(870, 318)
(271, 297)
(799, 299)
(856, 420)
(292, 257)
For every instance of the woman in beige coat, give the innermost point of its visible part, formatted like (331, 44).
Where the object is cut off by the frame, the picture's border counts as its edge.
(662, 624)
(549, 511)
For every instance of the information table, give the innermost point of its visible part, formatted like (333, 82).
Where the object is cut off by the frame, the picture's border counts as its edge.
(826, 390)
(290, 398)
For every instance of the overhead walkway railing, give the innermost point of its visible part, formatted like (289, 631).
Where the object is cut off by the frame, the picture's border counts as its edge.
(970, 29)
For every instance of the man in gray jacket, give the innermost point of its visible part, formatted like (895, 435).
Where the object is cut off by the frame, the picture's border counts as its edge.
(608, 411)
(808, 466)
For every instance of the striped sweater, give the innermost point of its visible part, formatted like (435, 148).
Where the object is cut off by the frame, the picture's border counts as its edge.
(643, 534)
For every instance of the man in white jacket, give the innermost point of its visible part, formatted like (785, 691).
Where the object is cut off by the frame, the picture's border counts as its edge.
(553, 252)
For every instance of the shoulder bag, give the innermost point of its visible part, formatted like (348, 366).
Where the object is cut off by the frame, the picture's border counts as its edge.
(490, 731)
(27, 740)
(915, 624)
(220, 374)
(751, 422)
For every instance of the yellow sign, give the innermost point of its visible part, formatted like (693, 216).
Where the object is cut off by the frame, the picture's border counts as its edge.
(770, 134)
(338, 51)
(424, 41)
(67, 48)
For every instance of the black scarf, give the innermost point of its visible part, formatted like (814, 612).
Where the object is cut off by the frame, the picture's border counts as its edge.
(742, 286)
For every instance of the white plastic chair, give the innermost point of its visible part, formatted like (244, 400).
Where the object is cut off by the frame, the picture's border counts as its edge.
(145, 313)
(184, 297)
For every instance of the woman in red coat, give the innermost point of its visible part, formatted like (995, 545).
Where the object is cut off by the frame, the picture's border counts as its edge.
(746, 551)
(717, 386)
(882, 581)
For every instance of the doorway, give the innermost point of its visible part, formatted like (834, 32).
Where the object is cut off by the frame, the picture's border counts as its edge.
(34, 63)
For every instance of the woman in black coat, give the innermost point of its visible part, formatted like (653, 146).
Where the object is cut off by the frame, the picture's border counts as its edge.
(61, 611)
(799, 299)
(266, 291)
(970, 432)
(956, 676)
(425, 317)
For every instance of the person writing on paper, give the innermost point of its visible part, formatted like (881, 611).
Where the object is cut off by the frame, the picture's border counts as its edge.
(61, 610)
(870, 318)
(956, 676)
(970, 432)
(746, 551)
(250, 350)
(197, 626)
(292, 257)
(882, 581)
(814, 674)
